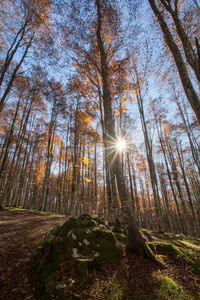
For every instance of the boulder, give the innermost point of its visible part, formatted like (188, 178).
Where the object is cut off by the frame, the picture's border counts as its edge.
(78, 246)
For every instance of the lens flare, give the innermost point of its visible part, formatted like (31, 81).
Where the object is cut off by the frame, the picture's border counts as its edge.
(121, 144)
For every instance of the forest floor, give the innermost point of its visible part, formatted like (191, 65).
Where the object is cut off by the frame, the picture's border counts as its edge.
(19, 234)
(133, 278)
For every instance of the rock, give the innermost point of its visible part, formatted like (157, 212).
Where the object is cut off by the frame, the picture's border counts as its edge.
(79, 243)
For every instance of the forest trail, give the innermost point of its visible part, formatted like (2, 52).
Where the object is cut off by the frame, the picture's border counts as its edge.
(19, 234)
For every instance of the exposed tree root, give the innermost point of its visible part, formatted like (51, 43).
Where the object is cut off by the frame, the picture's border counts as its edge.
(137, 244)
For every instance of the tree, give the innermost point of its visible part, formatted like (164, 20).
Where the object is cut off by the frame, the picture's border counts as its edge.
(190, 54)
(135, 240)
(148, 145)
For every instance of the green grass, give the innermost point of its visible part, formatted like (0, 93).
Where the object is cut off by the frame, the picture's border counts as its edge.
(32, 211)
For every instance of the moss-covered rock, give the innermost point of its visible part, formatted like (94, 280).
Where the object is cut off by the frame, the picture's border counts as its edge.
(79, 245)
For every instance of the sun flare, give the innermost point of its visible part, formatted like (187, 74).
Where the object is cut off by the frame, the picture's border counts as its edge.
(121, 145)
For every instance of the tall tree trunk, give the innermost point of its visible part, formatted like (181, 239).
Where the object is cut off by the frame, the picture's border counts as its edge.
(135, 240)
(194, 151)
(75, 162)
(175, 176)
(190, 54)
(182, 224)
(180, 157)
(190, 92)
(149, 153)
(13, 76)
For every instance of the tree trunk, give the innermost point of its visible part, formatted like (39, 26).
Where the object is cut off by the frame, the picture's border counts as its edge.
(10, 83)
(182, 70)
(135, 241)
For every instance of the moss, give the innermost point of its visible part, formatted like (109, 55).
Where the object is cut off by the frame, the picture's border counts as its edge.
(92, 223)
(85, 260)
(185, 240)
(148, 252)
(61, 231)
(180, 236)
(108, 248)
(122, 238)
(165, 246)
(84, 218)
(192, 258)
(87, 220)
(98, 220)
(189, 244)
(87, 240)
(145, 230)
(144, 250)
(84, 221)
(32, 211)
(99, 244)
(169, 289)
(187, 257)
(168, 234)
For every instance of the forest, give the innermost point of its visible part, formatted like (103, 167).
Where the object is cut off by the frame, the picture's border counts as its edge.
(100, 113)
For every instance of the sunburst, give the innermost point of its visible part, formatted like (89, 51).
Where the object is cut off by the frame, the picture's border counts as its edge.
(121, 145)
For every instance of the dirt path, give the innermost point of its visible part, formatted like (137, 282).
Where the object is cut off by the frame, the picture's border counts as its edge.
(19, 233)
